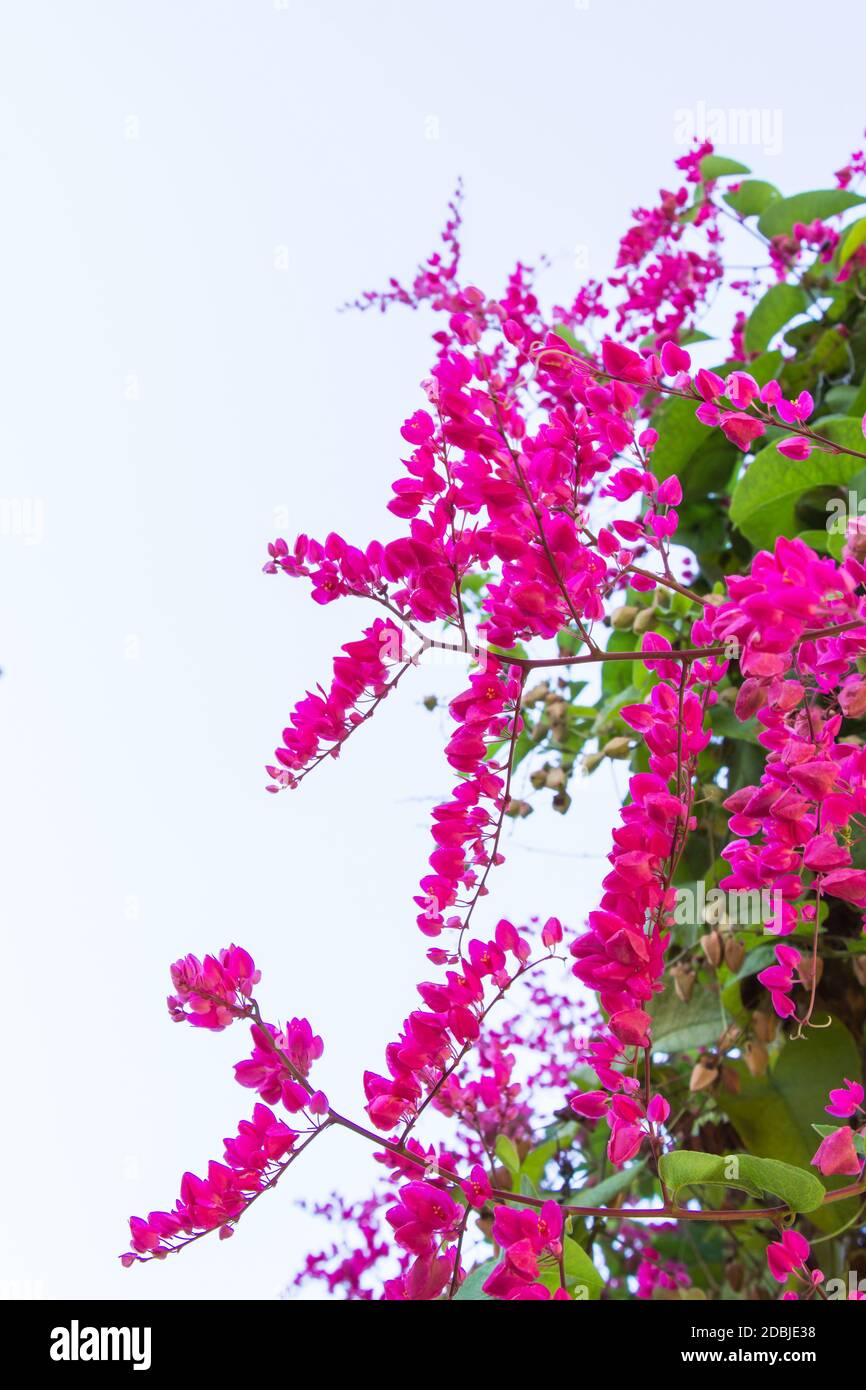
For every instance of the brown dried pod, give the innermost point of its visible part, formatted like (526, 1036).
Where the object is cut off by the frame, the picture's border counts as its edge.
(859, 963)
(536, 693)
(703, 1076)
(735, 1274)
(756, 1057)
(764, 1026)
(809, 967)
(730, 1080)
(735, 953)
(711, 945)
(684, 980)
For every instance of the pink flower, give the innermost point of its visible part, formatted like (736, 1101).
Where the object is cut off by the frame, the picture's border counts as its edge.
(477, 1187)
(846, 1100)
(836, 1154)
(741, 429)
(787, 1254)
(794, 447)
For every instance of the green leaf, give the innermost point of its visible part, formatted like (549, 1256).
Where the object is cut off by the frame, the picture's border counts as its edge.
(799, 1189)
(602, 1193)
(751, 197)
(852, 240)
(764, 503)
(679, 1027)
(471, 1288)
(725, 723)
(779, 305)
(507, 1153)
(534, 1164)
(717, 166)
(773, 1113)
(780, 215)
(581, 1276)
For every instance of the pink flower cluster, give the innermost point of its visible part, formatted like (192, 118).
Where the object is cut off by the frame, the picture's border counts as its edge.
(212, 993)
(254, 1158)
(530, 1240)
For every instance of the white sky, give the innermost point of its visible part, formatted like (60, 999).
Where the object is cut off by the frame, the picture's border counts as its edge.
(148, 665)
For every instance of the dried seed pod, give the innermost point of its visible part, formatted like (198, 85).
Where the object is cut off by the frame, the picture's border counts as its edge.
(809, 968)
(764, 1026)
(711, 945)
(430, 702)
(859, 963)
(619, 747)
(735, 953)
(735, 1274)
(729, 1037)
(556, 779)
(703, 1076)
(538, 692)
(684, 981)
(561, 802)
(730, 1079)
(519, 809)
(539, 777)
(756, 1057)
(591, 762)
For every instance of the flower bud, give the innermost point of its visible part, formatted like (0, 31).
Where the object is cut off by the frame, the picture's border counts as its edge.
(644, 620)
(619, 747)
(622, 618)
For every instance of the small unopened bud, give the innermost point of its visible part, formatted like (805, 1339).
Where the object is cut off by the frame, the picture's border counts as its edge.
(623, 617)
(619, 747)
(644, 620)
(711, 945)
(591, 762)
(430, 702)
(519, 809)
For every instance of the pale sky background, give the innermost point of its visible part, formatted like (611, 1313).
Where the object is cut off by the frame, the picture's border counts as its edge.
(169, 400)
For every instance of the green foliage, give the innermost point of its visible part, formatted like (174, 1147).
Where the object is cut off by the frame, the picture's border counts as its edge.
(780, 214)
(799, 1189)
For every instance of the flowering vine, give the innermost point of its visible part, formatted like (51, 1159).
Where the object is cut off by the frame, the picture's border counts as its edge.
(580, 490)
